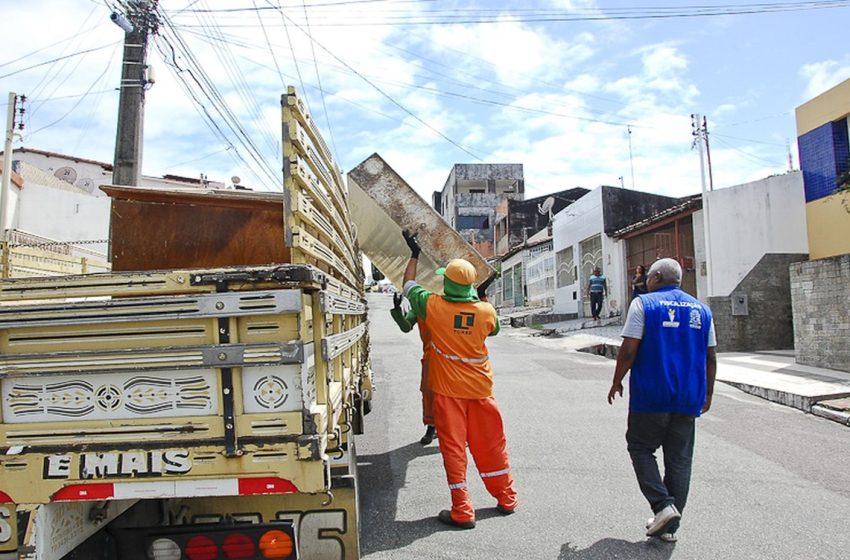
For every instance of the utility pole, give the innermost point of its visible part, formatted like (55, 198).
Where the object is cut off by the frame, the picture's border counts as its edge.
(138, 25)
(631, 160)
(697, 132)
(707, 153)
(8, 154)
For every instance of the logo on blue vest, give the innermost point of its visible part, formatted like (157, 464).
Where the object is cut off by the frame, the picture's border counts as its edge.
(696, 319)
(672, 323)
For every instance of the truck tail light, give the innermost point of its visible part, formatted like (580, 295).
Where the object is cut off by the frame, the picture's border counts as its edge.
(276, 545)
(201, 547)
(164, 549)
(238, 546)
(241, 541)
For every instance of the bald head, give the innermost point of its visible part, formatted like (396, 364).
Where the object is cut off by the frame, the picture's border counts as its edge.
(664, 272)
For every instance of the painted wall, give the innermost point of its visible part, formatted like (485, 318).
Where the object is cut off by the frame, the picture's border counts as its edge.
(828, 222)
(747, 222)
(54, 209)
(578, 222)
(829, 106)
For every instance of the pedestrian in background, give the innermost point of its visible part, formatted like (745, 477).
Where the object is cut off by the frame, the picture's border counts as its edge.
(668, 344)
(405, 322)
(461, 377)
(597, 289)
(639, 281)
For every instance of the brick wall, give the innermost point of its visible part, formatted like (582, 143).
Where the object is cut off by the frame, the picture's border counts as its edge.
(820, 296)
(768, 322)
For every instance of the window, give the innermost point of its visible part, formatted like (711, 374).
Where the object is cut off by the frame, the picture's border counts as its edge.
(473, 222)
(566, 267)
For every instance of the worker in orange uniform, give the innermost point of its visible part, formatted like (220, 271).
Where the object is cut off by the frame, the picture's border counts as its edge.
(405, 322)
(461, 378)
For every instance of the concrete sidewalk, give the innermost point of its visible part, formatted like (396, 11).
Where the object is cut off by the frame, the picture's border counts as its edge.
(771, 375)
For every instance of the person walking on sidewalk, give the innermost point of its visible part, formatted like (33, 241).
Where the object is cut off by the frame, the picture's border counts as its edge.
(461, 377)
(597, 289)
(405, 322)
(669, 346)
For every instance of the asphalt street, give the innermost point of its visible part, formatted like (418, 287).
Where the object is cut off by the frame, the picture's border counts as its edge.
(769, 482)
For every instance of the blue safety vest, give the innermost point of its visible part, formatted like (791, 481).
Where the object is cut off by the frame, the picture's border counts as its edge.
(669, 372)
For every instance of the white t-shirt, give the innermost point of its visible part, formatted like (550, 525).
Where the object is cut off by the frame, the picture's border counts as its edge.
(635, 322)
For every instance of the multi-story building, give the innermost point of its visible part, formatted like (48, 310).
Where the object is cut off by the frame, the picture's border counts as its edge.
(517, 220)
(471, 195)
(820, 288)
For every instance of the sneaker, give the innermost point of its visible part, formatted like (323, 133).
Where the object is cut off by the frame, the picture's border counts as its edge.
(668, 537)
(662, 521)
(430, 434)
(445, 516)
(503, 510)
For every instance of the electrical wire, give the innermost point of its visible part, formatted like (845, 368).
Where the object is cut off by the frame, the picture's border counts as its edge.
(170, 43)
(78, 53)
(237, 78)
(77, 104)
(46, 79)
(462, 16)
(752, 157)
(319, 82)
(382, 92)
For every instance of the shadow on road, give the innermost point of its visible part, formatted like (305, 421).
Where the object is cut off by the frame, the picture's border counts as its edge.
(650, 549)
(384, 475)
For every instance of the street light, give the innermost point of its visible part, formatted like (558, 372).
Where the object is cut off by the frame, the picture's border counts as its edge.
(121, 21)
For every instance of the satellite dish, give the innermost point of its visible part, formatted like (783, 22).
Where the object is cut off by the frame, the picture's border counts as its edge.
(67, 174)
(546, 207)
(86, 184)
(235, 179)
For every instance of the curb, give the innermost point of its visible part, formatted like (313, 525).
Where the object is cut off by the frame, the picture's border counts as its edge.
(840, 416)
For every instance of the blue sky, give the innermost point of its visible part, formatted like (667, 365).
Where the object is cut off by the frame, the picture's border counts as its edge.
(399, 80)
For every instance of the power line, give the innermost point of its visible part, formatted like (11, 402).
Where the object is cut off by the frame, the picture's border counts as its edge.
(77, 104)
(78, 53)
(478, 16)
(752, 157)
(341, 3)
(319, 83)
(203, 85)
(384, 94)
(59, 42)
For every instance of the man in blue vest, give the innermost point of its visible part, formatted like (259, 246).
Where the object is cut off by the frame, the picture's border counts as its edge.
(668, 344)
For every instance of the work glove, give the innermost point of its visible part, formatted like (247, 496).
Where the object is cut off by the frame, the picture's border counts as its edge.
(410, 239)
(397, 301)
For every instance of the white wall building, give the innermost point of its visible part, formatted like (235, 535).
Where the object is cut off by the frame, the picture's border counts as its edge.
(580, 245)
(748, 221)
(88, 175)
(51, 208)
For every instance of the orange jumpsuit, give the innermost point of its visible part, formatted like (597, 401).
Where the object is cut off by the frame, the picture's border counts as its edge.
(405, 323)
(465, 411)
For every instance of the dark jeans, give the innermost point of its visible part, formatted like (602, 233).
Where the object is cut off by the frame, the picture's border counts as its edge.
(674, 434)
(595, 304)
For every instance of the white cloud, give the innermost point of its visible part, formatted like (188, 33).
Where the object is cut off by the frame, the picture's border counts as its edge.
(822, 76)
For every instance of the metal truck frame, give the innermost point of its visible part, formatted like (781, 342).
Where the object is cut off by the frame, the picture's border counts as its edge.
(199, 409)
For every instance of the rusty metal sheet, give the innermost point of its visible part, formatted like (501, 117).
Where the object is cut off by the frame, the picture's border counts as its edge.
(382, 205)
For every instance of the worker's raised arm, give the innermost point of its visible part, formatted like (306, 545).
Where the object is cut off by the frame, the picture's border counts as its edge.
(410, 271)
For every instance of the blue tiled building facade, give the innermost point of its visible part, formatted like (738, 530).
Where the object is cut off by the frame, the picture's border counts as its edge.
(824, 155)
